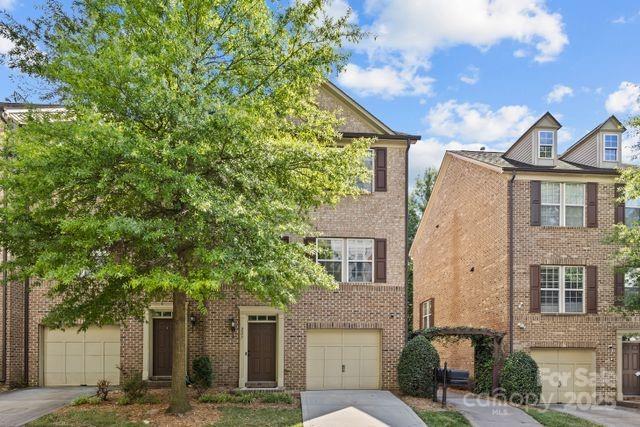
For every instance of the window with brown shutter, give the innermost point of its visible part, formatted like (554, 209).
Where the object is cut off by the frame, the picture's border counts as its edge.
(592, 204)
(534, 280)
(380, 256)
(592, 289)
(380, 169)
(618, 289)
(535, 202)
(619, 206)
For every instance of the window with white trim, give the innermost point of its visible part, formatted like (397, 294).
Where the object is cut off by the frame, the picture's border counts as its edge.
(562, 289)
(545, 144)
(631, 285)
(427, 314)
(562, 204)
(631, 212)
(611, 144)
(347, 260)
(367, 185)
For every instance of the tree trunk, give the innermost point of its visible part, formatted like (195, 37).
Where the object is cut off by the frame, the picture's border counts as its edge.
(179, 403)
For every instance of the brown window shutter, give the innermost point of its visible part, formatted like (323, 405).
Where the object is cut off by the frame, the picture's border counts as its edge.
(380, 169)
(619, 206)
(618, 289)
(534, 280)
(380, 257)
(592, 289)
(421, 321)
(310, 241)
(535, 202)
(592, 204)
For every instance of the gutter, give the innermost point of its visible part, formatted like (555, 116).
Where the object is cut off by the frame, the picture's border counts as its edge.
(406, 239)
(511, 269)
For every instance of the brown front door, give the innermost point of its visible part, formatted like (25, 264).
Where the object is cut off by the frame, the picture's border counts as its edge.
(162, 349)
(630, 368)
(262, 352)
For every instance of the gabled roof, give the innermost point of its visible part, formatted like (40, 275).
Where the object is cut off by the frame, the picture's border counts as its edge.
(496, 159)
(19, 112)
(537, 122)
(592, 132)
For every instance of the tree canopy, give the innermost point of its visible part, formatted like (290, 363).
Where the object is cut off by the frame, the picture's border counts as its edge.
(191, 142)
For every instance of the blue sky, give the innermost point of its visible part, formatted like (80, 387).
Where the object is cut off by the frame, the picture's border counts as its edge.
(472, 73)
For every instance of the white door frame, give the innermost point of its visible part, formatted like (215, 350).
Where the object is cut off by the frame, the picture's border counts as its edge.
(245, 312)
(147, 336)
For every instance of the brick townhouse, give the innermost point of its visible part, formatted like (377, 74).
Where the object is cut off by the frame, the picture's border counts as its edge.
(347, 338)
(515, 241)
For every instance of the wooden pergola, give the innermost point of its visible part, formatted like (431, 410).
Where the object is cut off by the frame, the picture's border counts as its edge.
(470, 332)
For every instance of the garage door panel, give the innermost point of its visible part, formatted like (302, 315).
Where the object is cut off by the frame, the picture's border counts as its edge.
(72, 358)
(329, 351)
(567, 375)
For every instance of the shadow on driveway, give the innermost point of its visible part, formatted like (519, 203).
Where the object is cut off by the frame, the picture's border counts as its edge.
(19, 407)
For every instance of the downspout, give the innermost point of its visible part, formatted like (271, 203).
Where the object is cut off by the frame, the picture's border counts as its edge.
(406, 239)
(511, 270)
(4, 314)
(26, 333)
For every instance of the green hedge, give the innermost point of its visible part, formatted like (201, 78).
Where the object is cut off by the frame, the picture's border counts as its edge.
(415, 368)
(520, 380)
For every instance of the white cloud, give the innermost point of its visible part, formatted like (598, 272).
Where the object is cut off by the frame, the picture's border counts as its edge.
(626, 100)
(5, 45)
(478, 122)
(336, 9)
(520, 53)
(407, 33)
(630, 145)
(626, 19)
(558, 93)
(386, 81)
(472, 76)
(6, 4)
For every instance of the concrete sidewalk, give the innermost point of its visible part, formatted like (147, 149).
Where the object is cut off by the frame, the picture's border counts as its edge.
(488, 412)
(356, 408)
(19, 407)
(614, 416)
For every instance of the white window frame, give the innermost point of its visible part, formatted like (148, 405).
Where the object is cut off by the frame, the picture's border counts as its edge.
(427, 315)
(604, 147)
(344, 269)
(626, 206)
(540, 145)
(362, 184)
(562, 290)
(563, 204)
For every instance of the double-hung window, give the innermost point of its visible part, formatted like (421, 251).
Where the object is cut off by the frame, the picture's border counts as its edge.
(347, 260)
(631, 212)
(367, 184)
(562, 204)
(631, 286)
(427, 314)
(545, 144)
(562, 289)
(611, 145)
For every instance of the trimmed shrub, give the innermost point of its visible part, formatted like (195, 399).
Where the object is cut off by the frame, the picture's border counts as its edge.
(520, 380)
(86, 400)
(202, 376)
(134, 387)
(415, 368)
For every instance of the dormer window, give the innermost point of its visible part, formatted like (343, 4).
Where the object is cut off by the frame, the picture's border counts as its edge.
(611, 145)
(545, 142)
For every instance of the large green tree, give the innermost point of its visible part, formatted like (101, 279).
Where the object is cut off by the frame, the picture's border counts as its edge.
(191, 141)
(418, 200)
(628, 237)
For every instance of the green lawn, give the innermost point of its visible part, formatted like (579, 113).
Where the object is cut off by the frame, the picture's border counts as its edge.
(551, 418)
(443, 418)
(264, 417)
(78, 418)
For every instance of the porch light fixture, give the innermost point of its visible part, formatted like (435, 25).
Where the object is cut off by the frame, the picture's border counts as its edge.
(193, 319)
(232, 324)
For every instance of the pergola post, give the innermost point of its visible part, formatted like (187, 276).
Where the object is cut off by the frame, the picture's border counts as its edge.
(497, 363)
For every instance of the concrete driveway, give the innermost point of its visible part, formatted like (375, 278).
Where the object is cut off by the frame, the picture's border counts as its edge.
(18, 407)
(482, 411)
(356, 408)
(613, 416)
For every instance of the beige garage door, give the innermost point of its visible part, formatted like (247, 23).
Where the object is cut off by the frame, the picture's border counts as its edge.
(72, 358)
(567, 375)
(343, 359)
